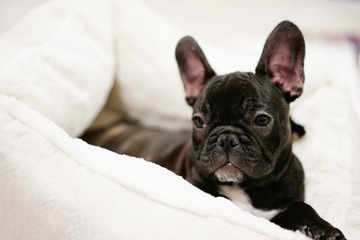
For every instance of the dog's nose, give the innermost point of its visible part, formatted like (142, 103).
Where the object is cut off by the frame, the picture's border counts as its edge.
(228, 141)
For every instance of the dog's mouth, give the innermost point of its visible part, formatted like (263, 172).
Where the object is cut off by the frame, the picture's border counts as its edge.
(231, 155)
(228, 173)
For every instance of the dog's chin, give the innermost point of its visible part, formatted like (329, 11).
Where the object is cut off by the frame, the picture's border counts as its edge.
(229, 174)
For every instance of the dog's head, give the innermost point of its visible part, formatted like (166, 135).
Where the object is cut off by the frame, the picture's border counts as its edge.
(241, 127)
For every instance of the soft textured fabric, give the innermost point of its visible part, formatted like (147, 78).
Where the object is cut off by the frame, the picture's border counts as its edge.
(57, 187)
(58, 68)
(60, 61)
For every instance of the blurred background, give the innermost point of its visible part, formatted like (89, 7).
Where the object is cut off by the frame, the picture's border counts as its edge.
(318, 16)
(12, 10)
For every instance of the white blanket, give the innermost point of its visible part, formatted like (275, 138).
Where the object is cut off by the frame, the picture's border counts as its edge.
(57, 68)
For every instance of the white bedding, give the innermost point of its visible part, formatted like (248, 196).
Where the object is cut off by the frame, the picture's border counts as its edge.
(58, 66)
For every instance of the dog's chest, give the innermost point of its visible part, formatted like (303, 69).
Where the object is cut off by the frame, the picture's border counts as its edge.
(242, 199)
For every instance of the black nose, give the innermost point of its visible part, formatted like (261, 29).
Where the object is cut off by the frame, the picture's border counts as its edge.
(228, 141)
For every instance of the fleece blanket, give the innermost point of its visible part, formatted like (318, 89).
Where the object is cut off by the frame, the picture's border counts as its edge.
(71, 65)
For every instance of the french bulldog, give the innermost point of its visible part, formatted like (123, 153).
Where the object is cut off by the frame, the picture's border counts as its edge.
(241, 145)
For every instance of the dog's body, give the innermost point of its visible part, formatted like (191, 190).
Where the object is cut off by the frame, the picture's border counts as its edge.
(241, 145)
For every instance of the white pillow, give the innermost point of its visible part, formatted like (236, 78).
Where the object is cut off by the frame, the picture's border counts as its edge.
(59, 60)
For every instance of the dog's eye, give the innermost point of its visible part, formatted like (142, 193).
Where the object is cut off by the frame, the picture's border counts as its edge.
(198, 122)
(262, 120)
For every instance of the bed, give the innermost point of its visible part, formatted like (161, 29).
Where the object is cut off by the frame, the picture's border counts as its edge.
(68, 66)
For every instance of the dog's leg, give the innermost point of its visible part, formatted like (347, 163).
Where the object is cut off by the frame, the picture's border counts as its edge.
(300, 216)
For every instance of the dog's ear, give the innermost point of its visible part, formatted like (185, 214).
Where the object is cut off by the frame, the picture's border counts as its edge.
(282, 59)
(193, 66)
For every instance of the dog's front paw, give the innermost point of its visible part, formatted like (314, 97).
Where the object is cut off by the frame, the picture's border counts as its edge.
(299, 216)
(322, 231)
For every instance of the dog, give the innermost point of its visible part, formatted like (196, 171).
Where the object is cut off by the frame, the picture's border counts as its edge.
(241, 145)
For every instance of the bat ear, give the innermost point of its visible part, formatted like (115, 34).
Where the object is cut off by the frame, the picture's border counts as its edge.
(193, 66)
(282, 60)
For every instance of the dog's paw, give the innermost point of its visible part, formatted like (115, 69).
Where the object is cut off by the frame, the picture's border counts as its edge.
(299, 216)
(322, 232)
